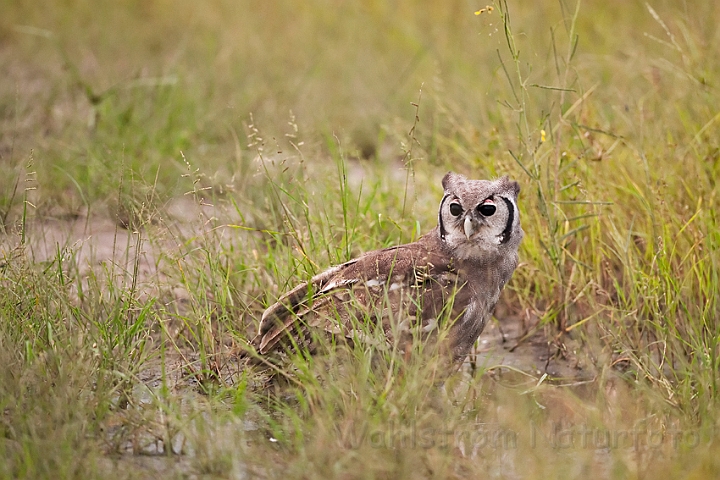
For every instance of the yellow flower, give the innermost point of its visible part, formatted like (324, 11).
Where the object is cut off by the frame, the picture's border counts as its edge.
(542, 136)
(488, 9)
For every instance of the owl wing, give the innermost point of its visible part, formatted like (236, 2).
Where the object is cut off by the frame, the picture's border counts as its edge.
(407, 283)
(278, 317)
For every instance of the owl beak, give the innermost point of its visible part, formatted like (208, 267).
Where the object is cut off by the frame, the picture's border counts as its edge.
(469, 227)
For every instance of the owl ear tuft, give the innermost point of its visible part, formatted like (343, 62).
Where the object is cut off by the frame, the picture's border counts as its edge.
(511, 185)
(450, 179)
(515, 188)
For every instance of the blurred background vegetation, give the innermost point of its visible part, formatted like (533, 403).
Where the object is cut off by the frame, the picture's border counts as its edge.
(92, 86)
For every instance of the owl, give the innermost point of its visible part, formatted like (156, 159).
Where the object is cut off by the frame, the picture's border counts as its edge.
(403, 294)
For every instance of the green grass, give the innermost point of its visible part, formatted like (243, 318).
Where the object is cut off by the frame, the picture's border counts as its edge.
(206, 157)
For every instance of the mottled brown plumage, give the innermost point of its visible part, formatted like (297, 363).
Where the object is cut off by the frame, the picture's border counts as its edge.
(453, 273)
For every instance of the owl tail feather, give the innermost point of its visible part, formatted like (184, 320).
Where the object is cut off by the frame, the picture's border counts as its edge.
(279, 317)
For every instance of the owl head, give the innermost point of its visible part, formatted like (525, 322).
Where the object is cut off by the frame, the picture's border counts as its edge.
(479, 219)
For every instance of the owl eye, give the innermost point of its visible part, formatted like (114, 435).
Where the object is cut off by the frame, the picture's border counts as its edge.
(486, 209)
(455, 209)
